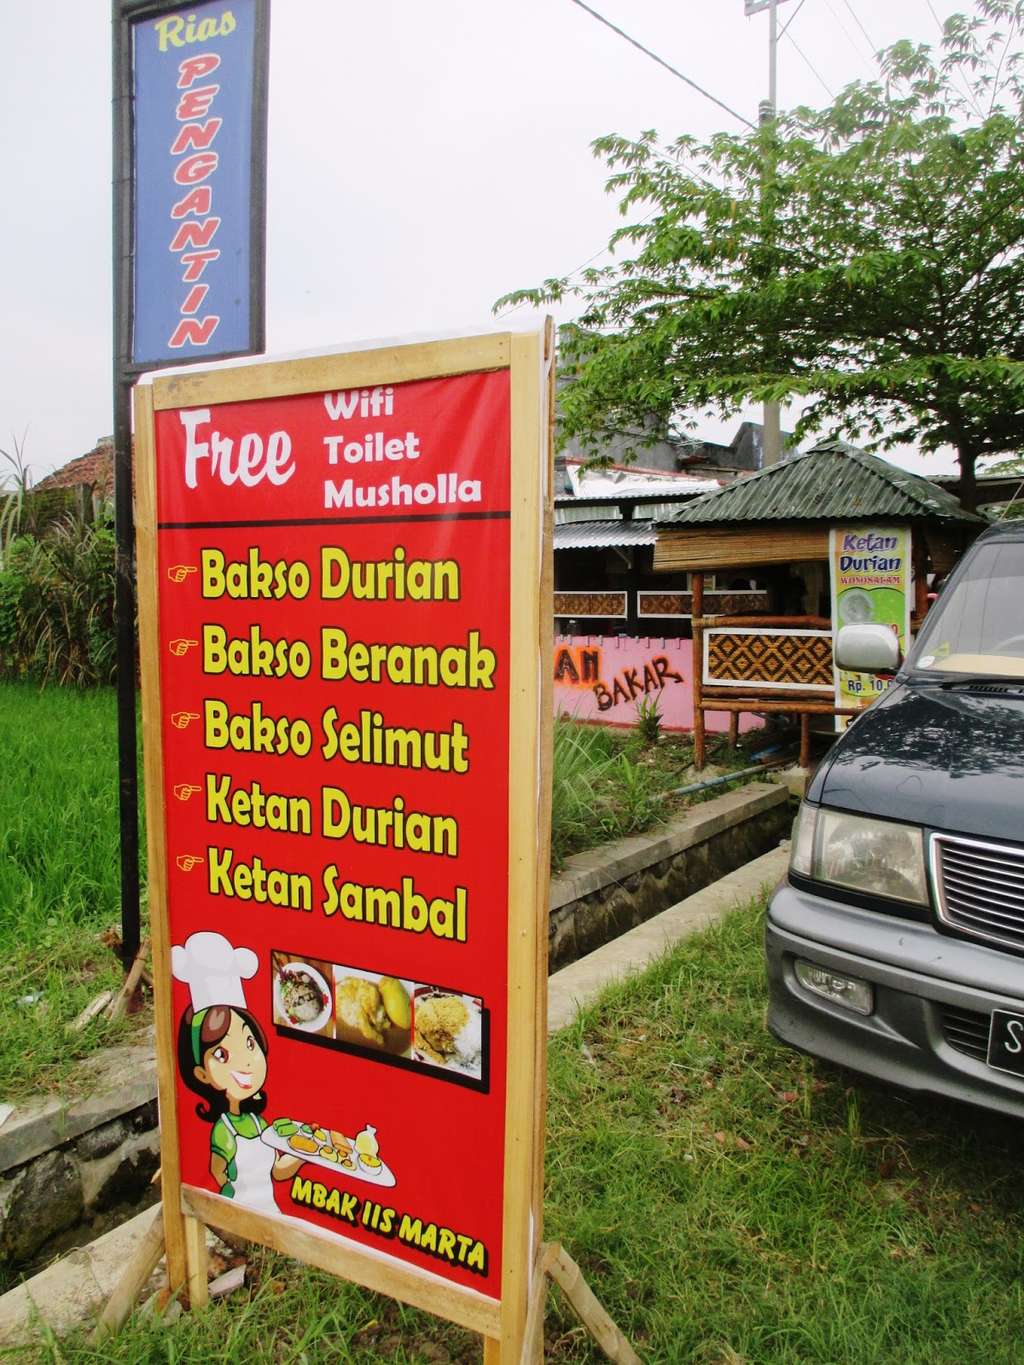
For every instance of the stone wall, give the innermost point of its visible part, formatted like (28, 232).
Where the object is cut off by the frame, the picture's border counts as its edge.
(606, 891)
(69, 1169)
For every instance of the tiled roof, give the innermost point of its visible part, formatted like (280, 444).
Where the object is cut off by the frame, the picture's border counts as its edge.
(95, 467)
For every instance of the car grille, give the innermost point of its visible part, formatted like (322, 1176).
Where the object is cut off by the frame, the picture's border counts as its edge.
(966, 1031)
(980, 888)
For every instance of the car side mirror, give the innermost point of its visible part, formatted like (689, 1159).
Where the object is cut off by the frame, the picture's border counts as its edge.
(867, 649)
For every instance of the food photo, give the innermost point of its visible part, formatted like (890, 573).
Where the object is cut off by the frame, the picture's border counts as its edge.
(448, 1030)
(372, 1010)
(303, 997)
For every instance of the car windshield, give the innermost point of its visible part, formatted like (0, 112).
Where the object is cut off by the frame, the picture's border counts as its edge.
(977, 626)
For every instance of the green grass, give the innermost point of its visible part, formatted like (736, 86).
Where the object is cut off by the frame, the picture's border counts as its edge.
(728, 1200)
(59, 878)
(606, 784)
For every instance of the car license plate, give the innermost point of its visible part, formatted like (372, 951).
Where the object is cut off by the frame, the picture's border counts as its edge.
(1006, 1042)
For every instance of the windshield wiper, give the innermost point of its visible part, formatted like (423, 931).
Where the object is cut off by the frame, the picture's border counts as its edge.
(1002, 681)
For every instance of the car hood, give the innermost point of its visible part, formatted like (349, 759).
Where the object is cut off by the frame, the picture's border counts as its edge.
(950, 759)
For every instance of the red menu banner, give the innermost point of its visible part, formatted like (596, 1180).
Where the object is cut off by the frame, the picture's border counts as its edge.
(333, 582)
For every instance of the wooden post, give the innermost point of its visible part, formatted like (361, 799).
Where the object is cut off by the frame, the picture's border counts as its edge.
(535, 1343)
(568, 1276)
(734, 728)
(140, 1266)
(149, 655)
(131, 983)
(196, 1261)
(697, 612)
(919, 560)
(554, 1261)
(533, 1337)
(805, 740)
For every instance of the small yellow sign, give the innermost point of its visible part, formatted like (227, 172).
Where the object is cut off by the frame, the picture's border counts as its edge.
(870, 576)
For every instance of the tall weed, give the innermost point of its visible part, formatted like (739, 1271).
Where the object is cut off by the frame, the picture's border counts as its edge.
(57, 606)
(599, 790)
(14, 486)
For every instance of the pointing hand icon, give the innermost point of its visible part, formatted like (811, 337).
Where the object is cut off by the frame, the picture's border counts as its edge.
(180, 647)
(187, 861)
(181, 720)
(177, 573)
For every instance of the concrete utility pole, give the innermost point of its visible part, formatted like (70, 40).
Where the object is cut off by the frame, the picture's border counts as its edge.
(772, 418)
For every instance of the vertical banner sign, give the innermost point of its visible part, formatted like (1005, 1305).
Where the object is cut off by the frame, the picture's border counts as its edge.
(199, 113)
(870, 580)
(346, 700)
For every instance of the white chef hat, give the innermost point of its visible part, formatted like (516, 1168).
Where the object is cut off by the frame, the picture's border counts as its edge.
(212, 969)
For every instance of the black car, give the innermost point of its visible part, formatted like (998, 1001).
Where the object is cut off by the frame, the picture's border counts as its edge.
(896, 943)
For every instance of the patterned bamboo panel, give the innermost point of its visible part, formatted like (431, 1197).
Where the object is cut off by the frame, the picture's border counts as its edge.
(768, 658)
(663, 603)
(590, 604)
(719, 603)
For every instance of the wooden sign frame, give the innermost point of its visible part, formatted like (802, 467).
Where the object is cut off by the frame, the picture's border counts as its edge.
(528, 358)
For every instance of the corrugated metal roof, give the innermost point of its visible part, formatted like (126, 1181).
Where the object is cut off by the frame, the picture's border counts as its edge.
(566, 513)
(603, 535)
(613, 484)
(655, 511)
(833, 482)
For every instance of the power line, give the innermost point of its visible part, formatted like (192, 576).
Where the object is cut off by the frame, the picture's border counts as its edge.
(792, 17)
(807, 61)
(600, 252)
(856, 20)
(845, 31)
(661, 62)
(938, 21)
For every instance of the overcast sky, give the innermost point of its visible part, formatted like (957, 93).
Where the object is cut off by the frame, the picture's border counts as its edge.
(425, 157)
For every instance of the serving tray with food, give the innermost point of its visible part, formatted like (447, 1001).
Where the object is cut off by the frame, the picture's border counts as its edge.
(358, 1157)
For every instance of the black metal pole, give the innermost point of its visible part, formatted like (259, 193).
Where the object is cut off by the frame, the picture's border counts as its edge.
(124, 520)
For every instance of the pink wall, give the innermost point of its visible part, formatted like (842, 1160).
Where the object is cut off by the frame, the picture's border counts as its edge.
(601, 678)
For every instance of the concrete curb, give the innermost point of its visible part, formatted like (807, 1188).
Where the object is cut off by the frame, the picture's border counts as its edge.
(582, 982)
(72, 1291)
(596, 868)
(112, 1083)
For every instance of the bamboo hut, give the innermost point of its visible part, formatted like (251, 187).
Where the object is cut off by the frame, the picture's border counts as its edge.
(775, 525)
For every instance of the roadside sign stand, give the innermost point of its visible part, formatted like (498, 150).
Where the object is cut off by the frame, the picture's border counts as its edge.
(465, 423)
(553, 1263)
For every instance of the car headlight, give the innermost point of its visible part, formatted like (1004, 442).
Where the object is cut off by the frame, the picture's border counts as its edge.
(878, 857)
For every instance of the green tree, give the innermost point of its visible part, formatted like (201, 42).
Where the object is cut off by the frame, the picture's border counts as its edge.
(865, 258)
(1010, 468)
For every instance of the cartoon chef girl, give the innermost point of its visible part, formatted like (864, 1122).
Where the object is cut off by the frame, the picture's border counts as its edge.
(222, 1055)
